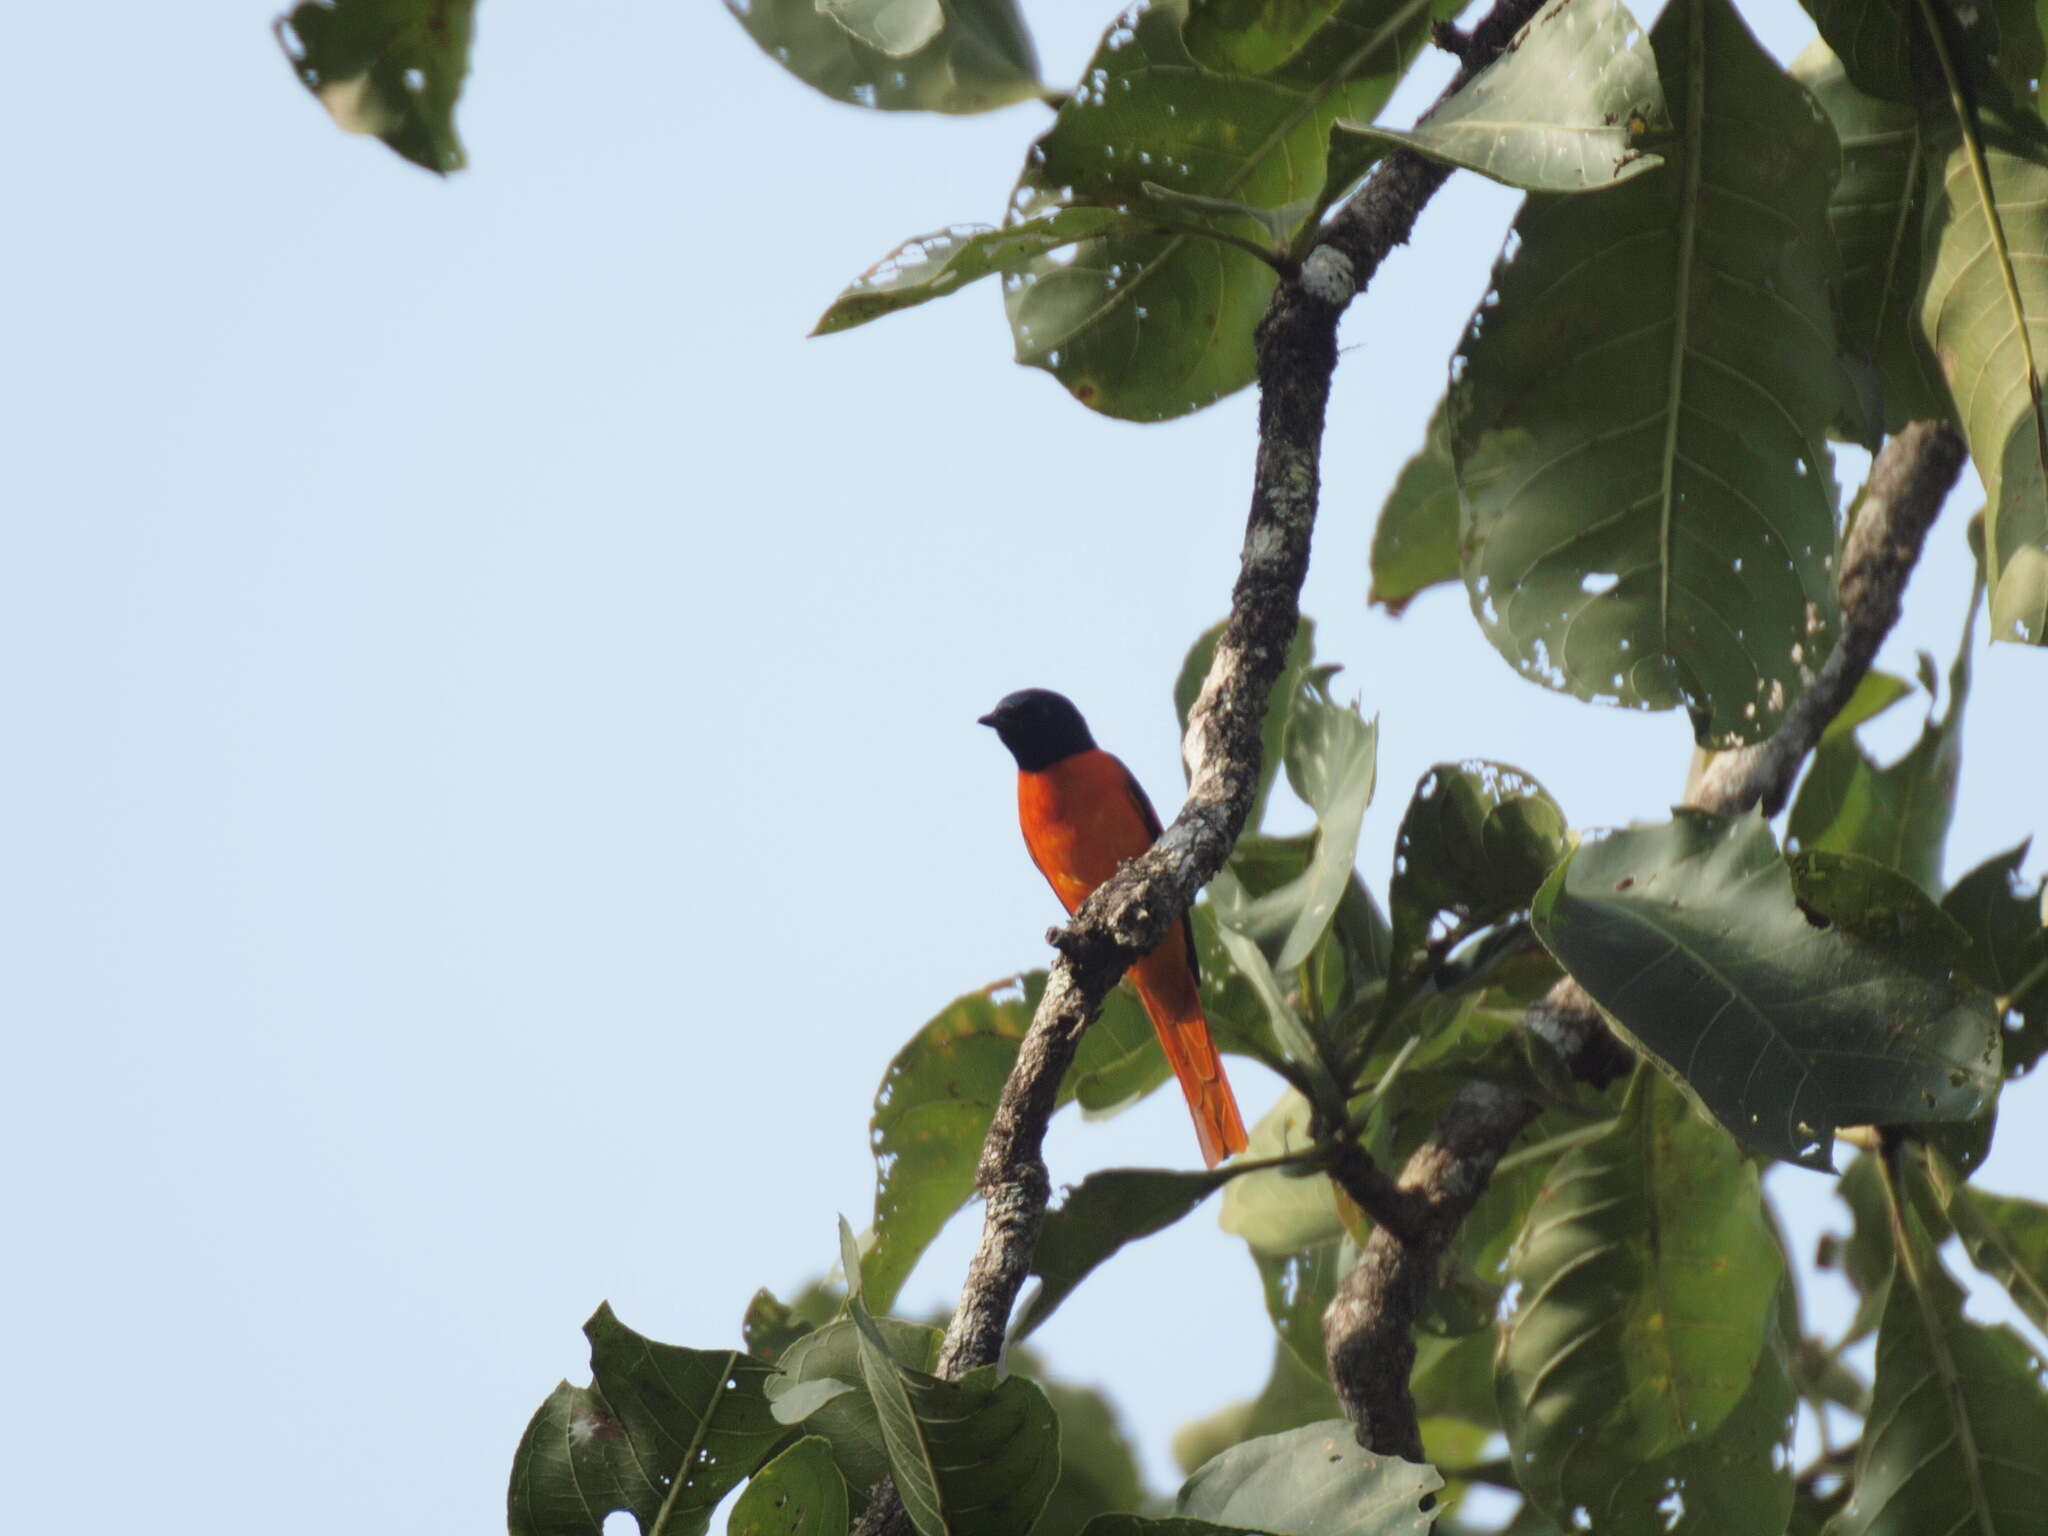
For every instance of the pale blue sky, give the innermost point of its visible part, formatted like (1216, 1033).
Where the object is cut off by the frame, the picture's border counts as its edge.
(494, 774)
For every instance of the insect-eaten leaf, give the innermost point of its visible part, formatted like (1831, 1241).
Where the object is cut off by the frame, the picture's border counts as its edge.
(1571, 105)
(935, 265)
(1619, 542)
(1690, 936)
(660, 1433)
(900, 55)
(390, 68)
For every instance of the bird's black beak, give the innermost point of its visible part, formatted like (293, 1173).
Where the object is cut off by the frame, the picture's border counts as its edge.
(987, 720)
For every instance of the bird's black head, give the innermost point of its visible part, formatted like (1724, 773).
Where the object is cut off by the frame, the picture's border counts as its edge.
(1039, 727)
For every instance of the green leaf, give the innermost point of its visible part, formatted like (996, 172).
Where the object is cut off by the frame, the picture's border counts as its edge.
(1304, 1059)
(1278, 1210)
(897, 28)
(1957, 1418)
(1875, 214)
(661, 1432)
(392, 68)
(1642, 1357)
(1878, 692)
(1621, 542)
(1293, 1396)
(933, 1109)
(1984, 302)
(1475, 845)
(847, 1418)
(799, 1493)
(1147, 326)
(2008, 928)
(977, 58)
(1415, 541)
(1689, 935)
(1332, 762)
(771, 1325)
(1865, 1256)
(935, 265)
(1103, 1213)
(1879, 41)
(1279, 701)
(1897, 815)
(1882, 907)
(2007, 1238)
(1251, 37)
(1312, 1481)
(1568, 107)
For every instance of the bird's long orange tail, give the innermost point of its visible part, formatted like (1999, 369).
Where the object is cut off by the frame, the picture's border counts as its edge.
(1168, 992)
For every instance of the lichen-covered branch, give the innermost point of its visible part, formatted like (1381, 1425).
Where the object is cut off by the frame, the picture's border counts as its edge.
(1369, 1328)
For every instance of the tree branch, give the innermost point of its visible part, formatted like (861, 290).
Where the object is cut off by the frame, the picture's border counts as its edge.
(1368, 1329)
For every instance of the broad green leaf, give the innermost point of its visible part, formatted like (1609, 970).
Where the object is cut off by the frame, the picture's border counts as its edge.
(936, 1100)
(1099, 1216)
(1984, 307)
(1147, 326)
(1475, 845)
(2007, 1238)
(1305, 1059)
(1453, 1378)
(1568, 107)
(1331, 757)
(661, 1432)
(1879, 42)
(1415, 541)
(1279, 701)
(1878, 692)
(1623, 541)
(1299, 1288)
(391, 68)
(1880, 906)
(1875, 213)
(935, 265)
(846, 1418)
(1688, 934)
(799, 1493)
(897, 28)
(972, 1457)
(1277, 1210)
(1957, 1419)
(1293, 1396)
(977, 58)
(1898, 814)
(1251, 37)
(1312, 1481)
(2008, 926)
(1642, 1357)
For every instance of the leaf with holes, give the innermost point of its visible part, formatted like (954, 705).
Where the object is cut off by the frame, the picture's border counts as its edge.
(1984, 308)
(1475, 845)
(1415, 540)
(933, 1109)
(1569, 107)
(1880, 906)
(662, 1433)
(1624, 539)
(1689, 935)
(1897, 815)
(1643, 1358)
(961, 55)
(2008, 926)
(799, 1493)
(1103, 1213)
(1147, 326)
(1875, 215)
(933, 266)
(1957, 1418)
(391, 68)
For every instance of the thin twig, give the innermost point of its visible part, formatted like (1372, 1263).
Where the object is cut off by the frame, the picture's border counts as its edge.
(1368, 1329)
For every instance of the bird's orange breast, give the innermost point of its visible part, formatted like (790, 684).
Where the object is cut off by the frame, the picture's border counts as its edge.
(1080, 822)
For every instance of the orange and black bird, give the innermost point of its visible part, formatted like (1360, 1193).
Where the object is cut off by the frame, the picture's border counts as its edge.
(1083, 815)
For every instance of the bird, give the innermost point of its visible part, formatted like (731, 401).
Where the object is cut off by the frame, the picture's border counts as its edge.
(1083, 813)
